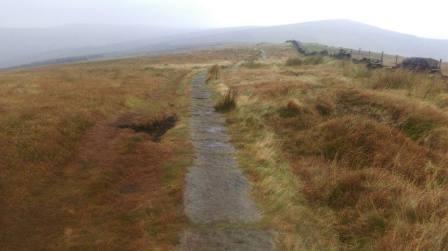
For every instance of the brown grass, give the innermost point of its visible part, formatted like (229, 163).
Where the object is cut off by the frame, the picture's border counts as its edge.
(294, 62)
(310, 60)
(73, 180)
(213, 73)
(415, 119)
(340, 157)
(418, 85)
(227, 102)
(368, 148)
(445, 69)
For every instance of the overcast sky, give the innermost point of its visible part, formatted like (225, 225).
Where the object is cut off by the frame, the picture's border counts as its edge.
(423, 18)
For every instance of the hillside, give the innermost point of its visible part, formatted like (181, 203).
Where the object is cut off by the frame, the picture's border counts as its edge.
(84, 41)
(28, 45)
(343, 33)
(347, 34)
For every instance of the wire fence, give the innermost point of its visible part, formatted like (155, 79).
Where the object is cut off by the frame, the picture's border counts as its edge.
(386, 59)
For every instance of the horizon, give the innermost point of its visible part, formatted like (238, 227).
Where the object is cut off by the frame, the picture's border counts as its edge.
(205, 15)
(199, 29)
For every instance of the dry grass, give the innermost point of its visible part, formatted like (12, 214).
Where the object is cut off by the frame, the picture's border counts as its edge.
(213, 73)
(294, 62)
(227, 102)
(205, 57)
(355, 71)
(274, 185)
(94, 155)
(71, 179)
(368, 149)
(415, 84)
(311, 60)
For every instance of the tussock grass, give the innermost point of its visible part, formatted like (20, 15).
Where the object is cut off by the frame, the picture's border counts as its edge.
(415, 119)
(294, 62)
(254, 65)
(213, 73)
(368, 150)
(398, 79)
(380, 165)
(442, 100)
(314, 60)
(418, 85)
(359, 143)
(355, 71)
(227, 102)
(274, 184)
(310, 60)
(294, 108)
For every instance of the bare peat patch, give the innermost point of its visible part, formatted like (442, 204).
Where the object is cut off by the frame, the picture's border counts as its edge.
(156, 127)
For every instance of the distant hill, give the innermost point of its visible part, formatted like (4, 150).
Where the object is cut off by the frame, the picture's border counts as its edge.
(342, 33)
(28, 46)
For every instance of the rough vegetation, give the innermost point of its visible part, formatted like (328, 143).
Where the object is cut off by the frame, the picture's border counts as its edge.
(368, 150)
(339, 157)
(227, 102)
(213, 73)
(94, 155)
(70, 178)
(311, 60)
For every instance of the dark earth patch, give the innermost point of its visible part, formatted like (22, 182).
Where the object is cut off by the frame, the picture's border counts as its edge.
(156, 127)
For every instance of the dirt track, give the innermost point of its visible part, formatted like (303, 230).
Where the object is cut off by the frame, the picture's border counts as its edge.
(217, 193)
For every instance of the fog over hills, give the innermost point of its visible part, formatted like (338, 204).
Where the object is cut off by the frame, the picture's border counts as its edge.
(357, 35)
(23, 46)
(342, 33)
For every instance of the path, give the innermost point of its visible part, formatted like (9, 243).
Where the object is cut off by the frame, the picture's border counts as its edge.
(217, 199)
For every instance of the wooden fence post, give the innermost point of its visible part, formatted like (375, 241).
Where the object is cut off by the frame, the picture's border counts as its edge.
(382, 57)
(396, 60)
(440, 65)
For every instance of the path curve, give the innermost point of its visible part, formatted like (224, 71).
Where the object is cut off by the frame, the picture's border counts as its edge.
(217, 199)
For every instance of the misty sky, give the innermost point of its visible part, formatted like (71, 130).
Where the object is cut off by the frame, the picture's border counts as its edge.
(423, 18)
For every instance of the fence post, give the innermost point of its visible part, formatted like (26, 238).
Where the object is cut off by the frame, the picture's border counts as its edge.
(396, 60)
(382, 57)
(440, 65)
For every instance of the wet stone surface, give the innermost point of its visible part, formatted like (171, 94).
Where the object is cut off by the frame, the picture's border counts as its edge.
(217, 193)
